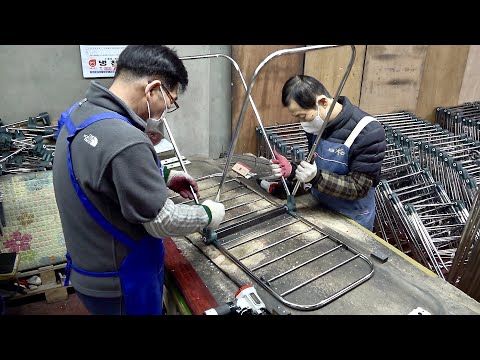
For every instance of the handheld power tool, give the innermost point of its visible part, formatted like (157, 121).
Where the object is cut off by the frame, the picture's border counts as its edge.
(247, 302)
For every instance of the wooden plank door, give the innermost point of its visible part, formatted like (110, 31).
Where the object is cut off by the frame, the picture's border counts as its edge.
(391, 78)
(266, 92)
(329, 65)
(470, 90)
(442, 78)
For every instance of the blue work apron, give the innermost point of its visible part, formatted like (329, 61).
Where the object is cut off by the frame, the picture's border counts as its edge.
(141, 273)
(333, 157)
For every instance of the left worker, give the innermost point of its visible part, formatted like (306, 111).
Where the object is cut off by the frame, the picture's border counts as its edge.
(112, 192)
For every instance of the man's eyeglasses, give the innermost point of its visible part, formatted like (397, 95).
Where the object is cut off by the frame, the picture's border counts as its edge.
(174, 106)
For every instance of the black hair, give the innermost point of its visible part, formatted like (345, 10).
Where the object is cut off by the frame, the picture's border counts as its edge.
(153, 61)
(304, 90)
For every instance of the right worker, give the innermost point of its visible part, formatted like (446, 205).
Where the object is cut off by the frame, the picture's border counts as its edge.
(348, 157)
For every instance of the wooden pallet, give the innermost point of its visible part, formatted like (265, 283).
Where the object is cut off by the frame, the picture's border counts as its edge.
(52, 290)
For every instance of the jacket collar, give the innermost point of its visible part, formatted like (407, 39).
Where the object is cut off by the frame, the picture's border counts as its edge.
(99, 95)
(343, 117)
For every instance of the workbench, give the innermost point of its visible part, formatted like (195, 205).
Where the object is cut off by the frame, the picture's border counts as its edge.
(398, 285)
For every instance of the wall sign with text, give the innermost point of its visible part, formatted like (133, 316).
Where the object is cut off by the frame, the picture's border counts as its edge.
(99, 61)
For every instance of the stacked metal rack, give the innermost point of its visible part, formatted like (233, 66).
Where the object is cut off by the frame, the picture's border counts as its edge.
(465, 271)
(453, 160)
(464, 121)
(290, 140)
(461, 119)
(414, 212)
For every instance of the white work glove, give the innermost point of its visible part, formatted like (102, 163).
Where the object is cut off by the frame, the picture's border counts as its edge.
(305, 171)
(280, 166)
(215, 211)
(180, 182)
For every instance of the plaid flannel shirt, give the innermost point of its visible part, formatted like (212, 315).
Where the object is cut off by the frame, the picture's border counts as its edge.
(353, 186)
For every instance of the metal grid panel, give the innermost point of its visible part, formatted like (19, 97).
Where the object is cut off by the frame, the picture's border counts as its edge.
(301, 265)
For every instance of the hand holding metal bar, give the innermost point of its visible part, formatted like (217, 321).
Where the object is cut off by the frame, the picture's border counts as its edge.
(179, 157)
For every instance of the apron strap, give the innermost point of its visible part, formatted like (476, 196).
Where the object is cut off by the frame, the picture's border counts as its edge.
(69, 266)
(72, 130)
(104, 223)
(358, 129)
(64, 115)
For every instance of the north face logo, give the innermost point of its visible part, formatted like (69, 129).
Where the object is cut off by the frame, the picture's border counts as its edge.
(90, 140)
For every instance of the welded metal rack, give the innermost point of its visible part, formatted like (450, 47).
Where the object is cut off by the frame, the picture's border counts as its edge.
(460, 119)
(465, 271)
(290, 140)
(422, 197)
(453, 160)
(303, 266)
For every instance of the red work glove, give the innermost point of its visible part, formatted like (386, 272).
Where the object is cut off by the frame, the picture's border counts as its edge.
(180, 182)
(280, 166)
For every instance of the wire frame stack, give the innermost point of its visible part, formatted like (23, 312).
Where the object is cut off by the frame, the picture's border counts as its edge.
(465, 270)
(290, 140)
(461, 119)
(464, 120)
(453, 160)
(415, 214)
(389, 225)
(414, 211)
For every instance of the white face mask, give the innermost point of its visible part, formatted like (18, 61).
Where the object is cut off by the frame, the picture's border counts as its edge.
(154, 126)
(314, 126)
